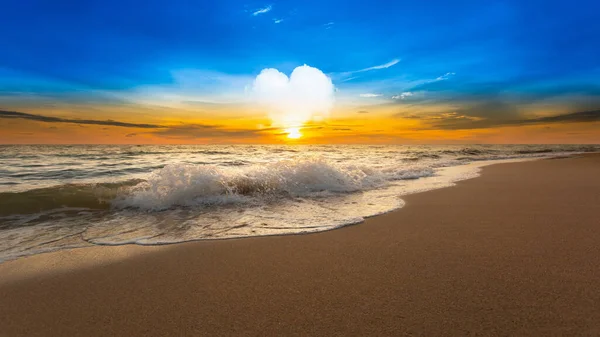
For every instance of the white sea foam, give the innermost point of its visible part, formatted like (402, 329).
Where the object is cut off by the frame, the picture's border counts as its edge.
(198, 185)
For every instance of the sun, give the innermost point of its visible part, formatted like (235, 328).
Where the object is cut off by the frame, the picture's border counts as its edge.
(293, 133)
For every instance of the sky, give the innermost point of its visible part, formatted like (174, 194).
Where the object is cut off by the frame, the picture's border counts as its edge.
(233, 71)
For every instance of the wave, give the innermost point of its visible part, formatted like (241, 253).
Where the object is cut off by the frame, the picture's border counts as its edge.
(186, 185)
(88, 196)
(196, 185)
(237, 195)
(240, 181)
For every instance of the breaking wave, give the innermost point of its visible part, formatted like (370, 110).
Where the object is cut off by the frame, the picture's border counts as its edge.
(204, 185)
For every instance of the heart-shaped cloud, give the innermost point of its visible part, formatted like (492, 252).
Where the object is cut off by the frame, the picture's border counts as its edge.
(306, 95)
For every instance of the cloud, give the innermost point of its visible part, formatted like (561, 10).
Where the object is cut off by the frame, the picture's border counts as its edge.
(454, 116)
(277, 20)
(574, 117)
(47, 119)
(368, 95)
(350, 78)
(363, 112)
(463, 119)
(262, 10)
(199, 131)
(445, 76)
(474, 114)
(444, 116)
(306, 95)
(403, 95)
(381, 66)
(464, 103)
(329, 25)
(182, 131)
(349, 75)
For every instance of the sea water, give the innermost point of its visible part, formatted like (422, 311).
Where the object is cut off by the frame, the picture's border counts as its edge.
(57, 197)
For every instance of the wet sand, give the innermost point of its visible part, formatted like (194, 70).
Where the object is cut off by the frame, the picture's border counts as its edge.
(513, 252)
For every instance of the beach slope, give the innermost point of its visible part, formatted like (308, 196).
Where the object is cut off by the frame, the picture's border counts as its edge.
(513, 252)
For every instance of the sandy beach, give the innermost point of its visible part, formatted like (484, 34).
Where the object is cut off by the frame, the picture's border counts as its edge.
(513, 252)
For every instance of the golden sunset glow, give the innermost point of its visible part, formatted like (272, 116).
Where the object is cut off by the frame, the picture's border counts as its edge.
(147, 124)
(302, 108)
(293, 133)
(269, 78)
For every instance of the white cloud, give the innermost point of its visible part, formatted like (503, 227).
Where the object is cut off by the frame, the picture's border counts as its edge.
(306, 95)
(377, 67)
(262, 10)
(403, 95)
(329, 25)
(381, 66)
(350, 79)
(445, 76)
(277, 20)
(370, 95)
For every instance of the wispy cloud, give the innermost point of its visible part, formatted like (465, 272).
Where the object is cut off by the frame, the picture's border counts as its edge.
(183, 131)
(477, 118)
(48, 119)
(262, 10)
(575, 117)
(329, 25)
(277, 21)
(403, 95)
(369, 95)
(193, 131)
(348, 75)
(350, 79)
(445, 76)
(381, 66)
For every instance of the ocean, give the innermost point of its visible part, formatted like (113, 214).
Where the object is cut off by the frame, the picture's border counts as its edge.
(57, 197)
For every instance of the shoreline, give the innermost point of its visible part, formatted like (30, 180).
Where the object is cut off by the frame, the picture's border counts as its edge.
(475, 166)
(495, 258)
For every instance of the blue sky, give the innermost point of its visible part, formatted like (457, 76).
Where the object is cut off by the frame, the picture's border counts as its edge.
(122, 44)
(466, 53)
